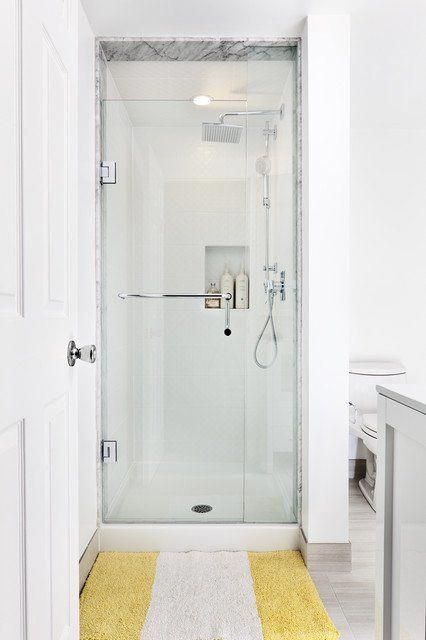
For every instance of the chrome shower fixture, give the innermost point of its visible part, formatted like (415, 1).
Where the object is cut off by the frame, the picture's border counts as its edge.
(227, 297)
(263, 165)
(221, 132)
(271, 285)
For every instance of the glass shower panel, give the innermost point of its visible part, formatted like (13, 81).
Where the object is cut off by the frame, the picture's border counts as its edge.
(271, 397)
(173, 382)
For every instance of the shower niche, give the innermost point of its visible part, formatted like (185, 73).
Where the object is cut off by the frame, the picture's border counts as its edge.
(217, 258)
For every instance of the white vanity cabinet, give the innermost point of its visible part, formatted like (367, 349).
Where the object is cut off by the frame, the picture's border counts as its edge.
(401, 514)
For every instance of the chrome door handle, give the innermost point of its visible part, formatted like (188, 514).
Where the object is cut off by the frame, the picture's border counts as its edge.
(216, 296)
(86, 353)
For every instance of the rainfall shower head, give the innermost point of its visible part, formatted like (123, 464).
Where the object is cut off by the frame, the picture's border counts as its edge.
(220, 132)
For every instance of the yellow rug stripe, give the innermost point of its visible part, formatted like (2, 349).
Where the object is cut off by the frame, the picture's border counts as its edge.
(116, 596)
(287, 601)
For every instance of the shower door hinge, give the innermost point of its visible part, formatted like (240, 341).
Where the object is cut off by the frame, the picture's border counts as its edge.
(108, 172)
(109, 451)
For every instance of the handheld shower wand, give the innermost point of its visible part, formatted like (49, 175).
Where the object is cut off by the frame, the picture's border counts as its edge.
(263, 167)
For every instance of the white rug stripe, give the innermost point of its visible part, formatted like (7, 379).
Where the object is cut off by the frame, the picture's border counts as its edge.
(202, 596)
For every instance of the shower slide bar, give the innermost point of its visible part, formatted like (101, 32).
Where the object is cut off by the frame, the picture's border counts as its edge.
(216, 296)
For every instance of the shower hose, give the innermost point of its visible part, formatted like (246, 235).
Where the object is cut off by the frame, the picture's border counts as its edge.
(269, 320)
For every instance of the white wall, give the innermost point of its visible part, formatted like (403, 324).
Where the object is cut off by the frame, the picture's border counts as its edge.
(86, 278)
(199, 385)
(325, 272)
(388, 201)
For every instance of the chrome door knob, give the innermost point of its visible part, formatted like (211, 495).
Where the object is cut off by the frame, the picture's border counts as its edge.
(86, 353)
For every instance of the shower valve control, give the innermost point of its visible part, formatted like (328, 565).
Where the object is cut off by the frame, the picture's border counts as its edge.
(276, 286)
(280, 286)
(274, 267)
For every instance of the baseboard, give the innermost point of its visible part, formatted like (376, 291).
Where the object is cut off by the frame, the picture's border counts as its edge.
(88, 558)
(357, 469)
(334, 556)
(199, 536)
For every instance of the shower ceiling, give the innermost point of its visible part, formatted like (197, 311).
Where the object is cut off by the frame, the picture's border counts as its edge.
(162, 80)
(232, 81)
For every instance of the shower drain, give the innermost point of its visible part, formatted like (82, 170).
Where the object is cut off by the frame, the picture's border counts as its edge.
(201, 508)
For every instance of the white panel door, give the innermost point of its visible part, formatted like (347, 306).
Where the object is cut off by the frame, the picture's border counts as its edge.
(38, 268)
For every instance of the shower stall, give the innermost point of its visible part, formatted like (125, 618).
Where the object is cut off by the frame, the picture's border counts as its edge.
(198, 149)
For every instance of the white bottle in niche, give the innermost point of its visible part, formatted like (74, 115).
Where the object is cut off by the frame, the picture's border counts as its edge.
(227, 286)
(241, 290)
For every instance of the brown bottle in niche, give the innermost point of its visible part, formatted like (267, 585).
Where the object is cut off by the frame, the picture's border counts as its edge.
(212, 303)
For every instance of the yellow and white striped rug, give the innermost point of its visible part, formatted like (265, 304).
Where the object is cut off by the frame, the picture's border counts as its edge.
(225, 595)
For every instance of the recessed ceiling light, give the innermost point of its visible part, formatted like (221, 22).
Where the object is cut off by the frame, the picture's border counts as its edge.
(202, 101)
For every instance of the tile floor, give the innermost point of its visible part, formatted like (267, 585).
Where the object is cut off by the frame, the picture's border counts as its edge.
(349, 597)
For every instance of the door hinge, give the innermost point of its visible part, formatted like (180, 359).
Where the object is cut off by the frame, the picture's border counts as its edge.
(109, 451)
(108, 172)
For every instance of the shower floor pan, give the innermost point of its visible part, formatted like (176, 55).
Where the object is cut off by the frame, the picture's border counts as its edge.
(167, 500)
(175, 489)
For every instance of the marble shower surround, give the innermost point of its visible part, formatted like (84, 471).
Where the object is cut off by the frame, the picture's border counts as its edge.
(199, 49)
(193, 49)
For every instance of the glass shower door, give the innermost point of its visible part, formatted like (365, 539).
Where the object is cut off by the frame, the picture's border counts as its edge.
(173, 382)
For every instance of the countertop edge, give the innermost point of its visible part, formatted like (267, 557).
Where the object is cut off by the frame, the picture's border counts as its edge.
(413, 396)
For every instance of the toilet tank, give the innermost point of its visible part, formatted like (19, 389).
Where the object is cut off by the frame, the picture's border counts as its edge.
(363, 378)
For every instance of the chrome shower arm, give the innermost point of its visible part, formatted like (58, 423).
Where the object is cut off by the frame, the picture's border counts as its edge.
(264, 112)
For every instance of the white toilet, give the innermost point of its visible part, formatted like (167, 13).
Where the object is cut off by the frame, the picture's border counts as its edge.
(363, 378)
